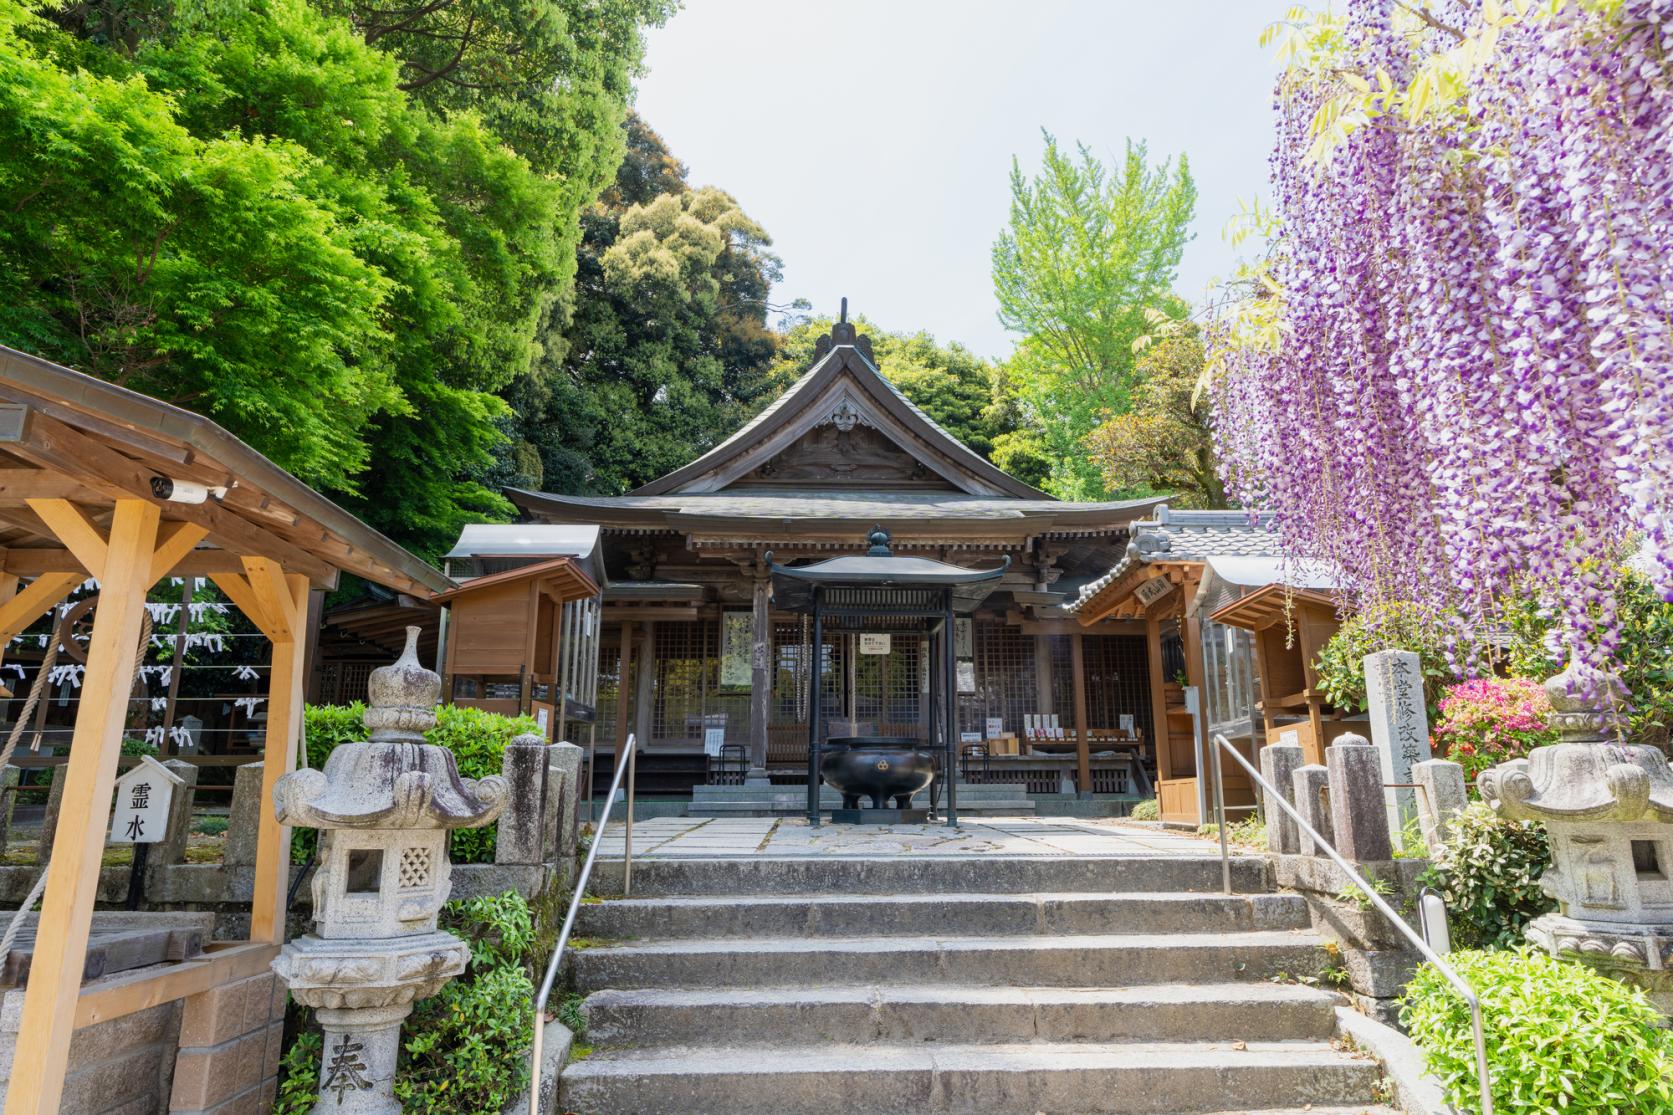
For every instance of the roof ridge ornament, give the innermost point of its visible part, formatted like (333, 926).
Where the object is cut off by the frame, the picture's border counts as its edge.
(879, 539)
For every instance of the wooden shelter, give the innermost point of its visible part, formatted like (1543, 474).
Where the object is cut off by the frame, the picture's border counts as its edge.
(1158, 583)
(1290, 626)
(507, 638)
(98, 481)
(698, 655)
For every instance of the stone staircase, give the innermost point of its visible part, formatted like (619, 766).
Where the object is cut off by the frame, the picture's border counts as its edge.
(970, 984)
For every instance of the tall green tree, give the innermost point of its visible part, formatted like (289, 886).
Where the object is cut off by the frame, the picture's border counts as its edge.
(667, 349)
(1162, 445)
(1087, 250)
(968, 396)
(240, 209)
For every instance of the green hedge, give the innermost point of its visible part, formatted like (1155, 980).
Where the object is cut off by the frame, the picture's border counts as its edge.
(1488, 872)
(1560, 1036)
(477, 739)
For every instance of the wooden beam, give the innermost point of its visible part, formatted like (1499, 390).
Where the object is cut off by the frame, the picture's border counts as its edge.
(52, 444)
(33, 561)
(73, 528)
(1083, 745)
(128, 992)
(42, 593)
(267, 582)
(8, 589)
(175, 541)
(244, 598)
(20, 484)
(286, 682)
(1158, 700)
(49, 1004)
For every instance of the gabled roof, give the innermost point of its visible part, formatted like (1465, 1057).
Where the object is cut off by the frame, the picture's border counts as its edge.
(567, 579)
(844, 385)
(1178, 536)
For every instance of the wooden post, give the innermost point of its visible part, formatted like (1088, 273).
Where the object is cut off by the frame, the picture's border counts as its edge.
(277, 604)
(644, 699)
(1158, 700)
(1083, 749)
(8, 589)
(760, 680)
(1046, 705)
(49, 1004)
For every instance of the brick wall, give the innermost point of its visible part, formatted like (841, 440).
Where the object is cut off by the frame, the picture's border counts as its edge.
(229, 1049)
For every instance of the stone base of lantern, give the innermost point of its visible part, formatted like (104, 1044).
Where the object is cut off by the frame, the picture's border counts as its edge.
(1639, 955)
(361, 991)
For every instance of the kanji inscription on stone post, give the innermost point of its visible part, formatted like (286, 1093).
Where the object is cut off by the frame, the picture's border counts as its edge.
(1399, 729)
(143, 796)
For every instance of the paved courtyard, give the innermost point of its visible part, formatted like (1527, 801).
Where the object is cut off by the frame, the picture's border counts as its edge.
(1006, 836)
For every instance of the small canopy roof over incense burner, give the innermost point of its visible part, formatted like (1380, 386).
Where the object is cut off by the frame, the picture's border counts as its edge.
(885, 593)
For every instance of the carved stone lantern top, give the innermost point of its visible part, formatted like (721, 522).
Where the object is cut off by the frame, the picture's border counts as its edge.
(394, 780)
(1589, 774)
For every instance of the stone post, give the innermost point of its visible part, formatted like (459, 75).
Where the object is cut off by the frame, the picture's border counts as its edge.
(1358, 810)
(1279, 762)
(563, 775)
(1399, 728)
(49, 821)
(244, 819)
(520, 836)
(1311, 783)
(172, 847)
(8, 801)
(1442, 794)
(384, 809)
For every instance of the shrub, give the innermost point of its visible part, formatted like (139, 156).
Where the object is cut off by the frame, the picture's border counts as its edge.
(1150, 810)
(1487, 721)
(299, 1075)
(1399, 626)
(1488, 872)
(1560, 1036)
(212, 825)
(477, 739)
(1645, 652)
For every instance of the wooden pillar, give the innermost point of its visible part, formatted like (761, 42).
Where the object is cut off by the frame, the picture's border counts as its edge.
(122, 564)
(1158, 700)
(623, 687)
(277, 604)
(645, 696)
(1083, 748)
(1045, 705)
(8, 589)
(316, 621)
(760, 679)
(1190, 631)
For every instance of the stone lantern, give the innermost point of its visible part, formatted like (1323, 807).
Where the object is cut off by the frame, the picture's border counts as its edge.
(384, 808)
(1608, 807)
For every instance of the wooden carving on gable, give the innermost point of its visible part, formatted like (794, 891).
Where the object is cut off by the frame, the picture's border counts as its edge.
(844, 451)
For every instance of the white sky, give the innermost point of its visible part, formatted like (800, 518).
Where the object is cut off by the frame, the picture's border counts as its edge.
(873, 139)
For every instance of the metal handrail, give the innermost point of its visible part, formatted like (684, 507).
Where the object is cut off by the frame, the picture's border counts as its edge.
(1273, 795)
(581, 881)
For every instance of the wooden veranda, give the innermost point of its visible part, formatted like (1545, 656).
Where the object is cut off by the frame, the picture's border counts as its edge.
(100, 482)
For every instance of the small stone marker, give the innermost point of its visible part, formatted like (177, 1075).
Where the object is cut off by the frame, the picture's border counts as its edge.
(1399, 728)
(1310, 783)
(1441, 796)
(1358, 811)
(143, 796)
(1279, 762)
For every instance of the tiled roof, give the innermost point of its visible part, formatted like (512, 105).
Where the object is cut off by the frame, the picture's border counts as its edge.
(778, 503)
(1185, 536)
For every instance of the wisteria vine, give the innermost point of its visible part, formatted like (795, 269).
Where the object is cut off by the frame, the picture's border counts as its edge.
(1472, 394)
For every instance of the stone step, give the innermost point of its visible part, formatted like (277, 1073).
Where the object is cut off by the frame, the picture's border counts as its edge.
(964, 914)
(963, 1014)
(1004, 1079)
(1086, 960)
(929, 874)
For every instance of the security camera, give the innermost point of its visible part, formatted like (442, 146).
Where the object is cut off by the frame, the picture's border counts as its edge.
(184, 491)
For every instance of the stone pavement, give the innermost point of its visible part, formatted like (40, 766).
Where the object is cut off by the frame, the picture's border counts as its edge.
(1018, 836)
